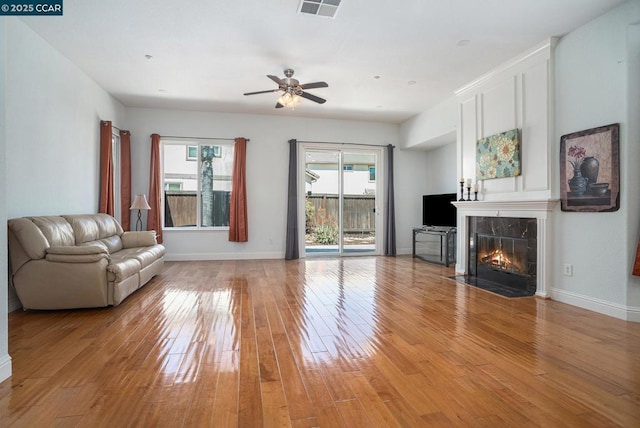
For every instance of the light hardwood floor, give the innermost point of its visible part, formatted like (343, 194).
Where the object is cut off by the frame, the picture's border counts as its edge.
(352, 342)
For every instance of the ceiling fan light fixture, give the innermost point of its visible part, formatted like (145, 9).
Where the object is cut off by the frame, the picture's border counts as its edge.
(293, 91)
(289, 100)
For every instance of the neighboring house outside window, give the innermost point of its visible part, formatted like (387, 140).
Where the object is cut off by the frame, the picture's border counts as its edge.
(197, 186)
(172, 186)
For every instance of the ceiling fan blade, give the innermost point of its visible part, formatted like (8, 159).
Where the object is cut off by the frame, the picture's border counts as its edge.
(262, 92)
(278, 105)
(276, 79)
(314, 85)
(312, 98)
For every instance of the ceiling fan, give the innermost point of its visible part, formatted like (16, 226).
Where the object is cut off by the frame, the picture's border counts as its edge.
(293, 90)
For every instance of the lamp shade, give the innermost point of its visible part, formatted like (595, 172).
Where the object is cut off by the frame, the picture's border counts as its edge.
(140, 203)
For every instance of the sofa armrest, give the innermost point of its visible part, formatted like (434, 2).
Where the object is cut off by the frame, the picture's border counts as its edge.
(132, 239)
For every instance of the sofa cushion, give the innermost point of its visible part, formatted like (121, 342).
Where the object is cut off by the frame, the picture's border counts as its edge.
(122, 268)
(93, 227)
(56, 229)
(112, 244)
(133, 239)
(145, 255)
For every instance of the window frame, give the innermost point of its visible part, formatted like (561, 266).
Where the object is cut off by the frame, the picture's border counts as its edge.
(218, 153)
(117, 179)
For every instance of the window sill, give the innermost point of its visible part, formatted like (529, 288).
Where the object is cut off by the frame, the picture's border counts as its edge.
(195, 229)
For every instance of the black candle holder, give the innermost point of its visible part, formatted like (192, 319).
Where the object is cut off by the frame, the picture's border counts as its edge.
(468, 193)
(461, 191)
(475, 195)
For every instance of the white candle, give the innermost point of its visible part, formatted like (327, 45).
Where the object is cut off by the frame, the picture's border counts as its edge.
(469, 182)
(462, 180)
(475, 187)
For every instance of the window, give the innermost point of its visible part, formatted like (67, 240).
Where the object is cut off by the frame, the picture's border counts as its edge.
(347, 167)
(196, 188)
(372, 173)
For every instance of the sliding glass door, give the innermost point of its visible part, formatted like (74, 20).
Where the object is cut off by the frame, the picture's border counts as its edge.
(341, 208)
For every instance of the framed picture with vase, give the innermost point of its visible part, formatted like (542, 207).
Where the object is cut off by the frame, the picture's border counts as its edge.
(590, 170)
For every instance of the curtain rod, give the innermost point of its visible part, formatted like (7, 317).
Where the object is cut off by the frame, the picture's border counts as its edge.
(199, 138)
(114, 127)
(118, 129)
(351, 144)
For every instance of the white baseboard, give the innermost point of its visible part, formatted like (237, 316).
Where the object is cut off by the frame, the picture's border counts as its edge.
(633, 314)
(5, 367)
(184, 257)
(623, 312)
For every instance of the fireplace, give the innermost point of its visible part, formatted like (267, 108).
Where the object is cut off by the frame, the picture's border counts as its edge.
(503, 250)
(539, 234)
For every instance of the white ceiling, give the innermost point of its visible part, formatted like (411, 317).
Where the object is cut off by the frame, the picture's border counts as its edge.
(207, 53)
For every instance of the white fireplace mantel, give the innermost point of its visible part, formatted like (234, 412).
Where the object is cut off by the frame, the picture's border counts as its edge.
(540, 210)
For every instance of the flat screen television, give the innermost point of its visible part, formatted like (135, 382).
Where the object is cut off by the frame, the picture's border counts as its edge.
(437, 210)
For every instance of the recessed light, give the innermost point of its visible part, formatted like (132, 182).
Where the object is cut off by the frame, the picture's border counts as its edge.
(411, 82)
(147, 56)
(376, 77)
(162, 90)
(463, 42)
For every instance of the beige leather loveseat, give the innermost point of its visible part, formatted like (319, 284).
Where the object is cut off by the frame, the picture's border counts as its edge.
(79, 261)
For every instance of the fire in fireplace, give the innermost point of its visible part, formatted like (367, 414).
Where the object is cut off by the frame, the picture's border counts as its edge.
(502, 253)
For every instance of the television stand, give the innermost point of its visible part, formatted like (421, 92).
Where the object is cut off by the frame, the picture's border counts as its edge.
(435, 244)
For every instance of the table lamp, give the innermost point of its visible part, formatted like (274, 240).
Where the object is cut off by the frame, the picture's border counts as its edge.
(140, 203)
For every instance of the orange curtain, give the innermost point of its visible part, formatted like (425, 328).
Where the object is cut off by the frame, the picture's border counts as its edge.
(155, 187)
(636, 263)
(238, 227)
(106, 169)
(125, 179)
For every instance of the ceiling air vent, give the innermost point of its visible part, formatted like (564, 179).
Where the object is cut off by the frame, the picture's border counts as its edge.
(326, 8)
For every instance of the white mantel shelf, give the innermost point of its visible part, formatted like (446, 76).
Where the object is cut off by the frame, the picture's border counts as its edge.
(540, 210)
(507, 206)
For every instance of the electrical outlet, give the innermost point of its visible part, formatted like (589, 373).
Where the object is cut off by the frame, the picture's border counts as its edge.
(568, 270)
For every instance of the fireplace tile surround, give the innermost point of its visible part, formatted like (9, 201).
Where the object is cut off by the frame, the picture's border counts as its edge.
(504, 250)
(541, 211)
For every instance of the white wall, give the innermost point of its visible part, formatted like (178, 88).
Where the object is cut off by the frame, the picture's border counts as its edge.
(514, 95)
(267, 171)
(432, 128)
(53, 116)
(5, 359)
(631, 174)
(592, 80)
(441, 170)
